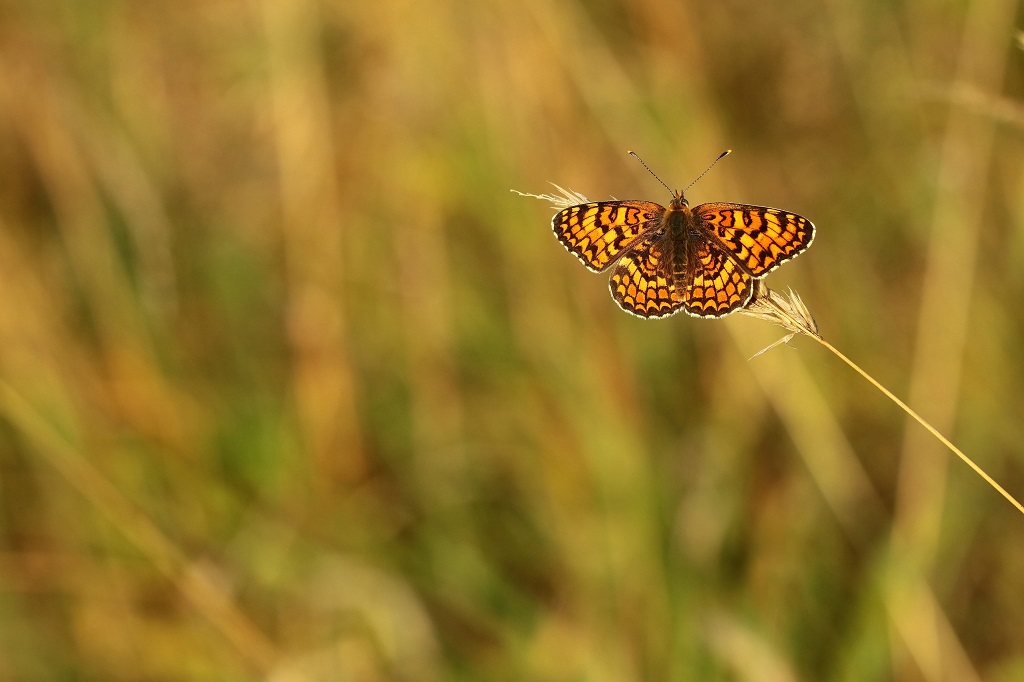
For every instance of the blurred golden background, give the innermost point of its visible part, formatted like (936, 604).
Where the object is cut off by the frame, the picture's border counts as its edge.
(292, 387)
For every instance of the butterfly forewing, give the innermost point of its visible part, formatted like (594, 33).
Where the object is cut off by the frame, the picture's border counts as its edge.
(758, 237)
(598, 233)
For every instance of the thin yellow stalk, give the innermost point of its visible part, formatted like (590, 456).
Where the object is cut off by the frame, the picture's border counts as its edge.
(920, 420)
(791, 314)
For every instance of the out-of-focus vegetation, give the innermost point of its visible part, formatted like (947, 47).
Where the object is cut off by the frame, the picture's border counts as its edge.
(293, 387)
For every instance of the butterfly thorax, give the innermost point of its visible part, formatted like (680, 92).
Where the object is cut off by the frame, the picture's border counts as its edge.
(679, 228)
(679, 221)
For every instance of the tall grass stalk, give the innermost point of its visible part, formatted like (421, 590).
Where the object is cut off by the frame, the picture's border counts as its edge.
(791, 314)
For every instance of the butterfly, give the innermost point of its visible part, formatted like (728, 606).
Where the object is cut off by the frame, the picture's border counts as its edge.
(702, 260)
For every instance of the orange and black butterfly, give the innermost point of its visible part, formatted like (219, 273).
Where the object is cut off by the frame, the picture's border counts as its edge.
(701, 260)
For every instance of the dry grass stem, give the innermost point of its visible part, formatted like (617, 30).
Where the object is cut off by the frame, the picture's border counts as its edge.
(791, 314)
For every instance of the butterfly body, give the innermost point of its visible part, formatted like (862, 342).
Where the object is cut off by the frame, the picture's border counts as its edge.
(666, 259)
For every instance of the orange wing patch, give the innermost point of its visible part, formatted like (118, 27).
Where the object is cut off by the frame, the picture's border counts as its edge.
(598, 233)
(716, 285)
(643, 283)
(760, 238)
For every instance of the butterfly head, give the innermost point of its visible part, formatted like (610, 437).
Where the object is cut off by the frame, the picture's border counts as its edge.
(679, 199)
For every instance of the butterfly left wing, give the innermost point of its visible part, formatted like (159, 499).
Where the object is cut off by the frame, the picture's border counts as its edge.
(758, 237)
(643, 282)
(597, 233)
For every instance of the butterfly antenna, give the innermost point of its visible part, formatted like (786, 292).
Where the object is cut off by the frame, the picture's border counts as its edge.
(721, 156)
(633, 154)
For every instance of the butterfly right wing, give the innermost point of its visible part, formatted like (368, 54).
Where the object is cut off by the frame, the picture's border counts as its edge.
(714, 284)
(760, 238)
(598, 233)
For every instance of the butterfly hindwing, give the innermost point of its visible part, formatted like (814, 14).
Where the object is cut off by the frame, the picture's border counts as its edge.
(714, 284)
(643, 282)
(597, 233)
